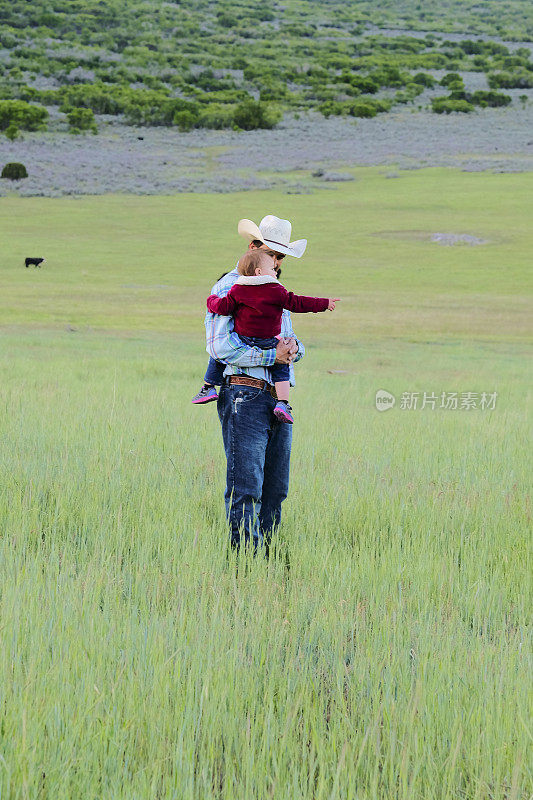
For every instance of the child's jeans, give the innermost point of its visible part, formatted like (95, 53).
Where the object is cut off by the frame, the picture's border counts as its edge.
(214, 373)
(215, 369)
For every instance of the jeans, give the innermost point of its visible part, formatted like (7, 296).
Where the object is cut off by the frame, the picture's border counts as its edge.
(258, 451)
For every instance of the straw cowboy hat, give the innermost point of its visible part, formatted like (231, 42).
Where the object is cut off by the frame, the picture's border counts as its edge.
(275, 233)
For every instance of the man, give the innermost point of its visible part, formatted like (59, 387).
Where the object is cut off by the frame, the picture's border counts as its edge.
(257, 447)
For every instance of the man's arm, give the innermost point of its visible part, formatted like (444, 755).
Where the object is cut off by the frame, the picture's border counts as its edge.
(223, 344)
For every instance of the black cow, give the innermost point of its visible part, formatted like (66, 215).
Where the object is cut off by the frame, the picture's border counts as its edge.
(35, 261)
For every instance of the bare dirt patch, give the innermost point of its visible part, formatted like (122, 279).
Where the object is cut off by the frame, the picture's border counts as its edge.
(450, 239)
(444, 239)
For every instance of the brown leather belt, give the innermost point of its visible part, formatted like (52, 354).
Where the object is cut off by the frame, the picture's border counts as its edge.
(257, 383)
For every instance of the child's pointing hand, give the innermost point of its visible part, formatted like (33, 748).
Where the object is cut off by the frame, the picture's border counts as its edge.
(332, 301)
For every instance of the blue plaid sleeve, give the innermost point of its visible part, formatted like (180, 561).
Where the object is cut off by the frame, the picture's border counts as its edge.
(287, 331)
(223, 344)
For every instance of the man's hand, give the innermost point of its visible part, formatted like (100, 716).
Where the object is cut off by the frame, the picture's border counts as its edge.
(332, 301)
(286, 350)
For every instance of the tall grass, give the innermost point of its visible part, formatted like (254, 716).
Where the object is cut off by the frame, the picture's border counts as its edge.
(384, 651)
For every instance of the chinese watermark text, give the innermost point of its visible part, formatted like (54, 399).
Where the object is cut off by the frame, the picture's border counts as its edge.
(449, 401)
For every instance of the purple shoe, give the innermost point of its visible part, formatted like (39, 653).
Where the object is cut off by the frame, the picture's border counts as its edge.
(282, 412)
(206, 395)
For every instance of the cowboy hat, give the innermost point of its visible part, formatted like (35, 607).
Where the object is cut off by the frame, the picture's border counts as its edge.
(275, 233)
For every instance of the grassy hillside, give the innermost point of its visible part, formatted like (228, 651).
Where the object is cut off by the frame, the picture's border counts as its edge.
(383, 652)
(241, 65)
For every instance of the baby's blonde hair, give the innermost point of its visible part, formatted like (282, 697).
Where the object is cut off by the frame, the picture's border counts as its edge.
(250, 261)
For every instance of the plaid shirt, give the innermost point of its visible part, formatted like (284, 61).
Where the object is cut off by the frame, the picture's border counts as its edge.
(224, 344)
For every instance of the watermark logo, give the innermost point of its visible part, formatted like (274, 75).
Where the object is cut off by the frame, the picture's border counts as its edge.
(450, 401)
(384, 400)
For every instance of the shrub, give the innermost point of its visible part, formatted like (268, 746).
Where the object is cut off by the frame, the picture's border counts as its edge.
(520, 79)
(470, 47)
(492, 99)
(408, 94)
(206, 80)
(227, 20)
(413, 89)
(253, 71)
(447, 105)
(12, 132)
(216, 116)
(359, 108)
(157, 109)
(22, 115)
(184, 120)
(362, 109)
(368, 108)
(273, 91)
(250, 115)
(81, 119)
(300, 29)
(96, 96)
(226, 96)
(318, 72)
(349, 91)
(331, 108)
(365, 84)
(14, 171)
(389, 75)
(112, 98)
(456, 86)
(424, 79)
(451, 78)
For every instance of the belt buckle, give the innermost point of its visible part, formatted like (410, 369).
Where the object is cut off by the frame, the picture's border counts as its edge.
(248, 380)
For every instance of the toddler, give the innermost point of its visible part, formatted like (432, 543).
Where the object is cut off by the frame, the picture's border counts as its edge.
(256, 302)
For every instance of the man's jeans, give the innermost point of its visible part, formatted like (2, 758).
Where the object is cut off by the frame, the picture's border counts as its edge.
(258, 450)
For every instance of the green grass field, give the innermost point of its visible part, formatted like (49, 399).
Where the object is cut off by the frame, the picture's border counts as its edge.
(393, 659)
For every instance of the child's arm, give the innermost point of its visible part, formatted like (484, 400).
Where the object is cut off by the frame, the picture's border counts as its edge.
(225, 306)
(301, 304)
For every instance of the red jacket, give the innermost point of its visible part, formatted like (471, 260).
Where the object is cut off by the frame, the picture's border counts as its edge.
(257, 306)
